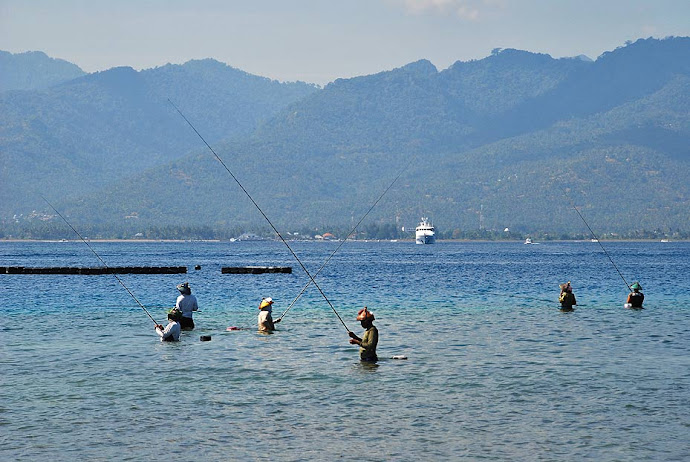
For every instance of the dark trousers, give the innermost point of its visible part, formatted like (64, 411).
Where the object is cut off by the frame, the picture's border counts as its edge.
(186, 323)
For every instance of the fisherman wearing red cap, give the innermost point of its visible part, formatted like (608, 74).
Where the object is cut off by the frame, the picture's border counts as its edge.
(367, 344)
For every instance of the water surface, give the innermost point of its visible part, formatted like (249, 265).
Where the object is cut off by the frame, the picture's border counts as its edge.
(495, 370)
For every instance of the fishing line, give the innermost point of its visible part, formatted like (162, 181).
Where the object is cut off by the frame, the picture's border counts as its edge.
(99, 257)
(262, 213)
(348, 235)
(597, 239)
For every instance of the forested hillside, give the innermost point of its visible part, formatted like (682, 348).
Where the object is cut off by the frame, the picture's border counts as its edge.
(89, 133)
(34, 70)
(517, 136)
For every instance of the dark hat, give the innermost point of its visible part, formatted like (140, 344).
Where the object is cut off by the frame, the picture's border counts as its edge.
(175, 314)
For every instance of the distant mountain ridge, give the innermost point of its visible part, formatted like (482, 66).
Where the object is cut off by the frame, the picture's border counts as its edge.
(97, 129)
(34, 70)
(516, 135)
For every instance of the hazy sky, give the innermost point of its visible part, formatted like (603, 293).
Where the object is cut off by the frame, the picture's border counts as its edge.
(320, 40)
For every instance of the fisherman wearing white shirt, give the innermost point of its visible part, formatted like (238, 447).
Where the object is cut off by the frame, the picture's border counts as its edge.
(187, 304)
(266, 323)
(171, 332)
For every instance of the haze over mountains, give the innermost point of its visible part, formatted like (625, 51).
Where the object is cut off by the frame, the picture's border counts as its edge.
(516, 135)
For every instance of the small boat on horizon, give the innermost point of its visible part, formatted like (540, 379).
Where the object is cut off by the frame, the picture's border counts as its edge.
(425, 232)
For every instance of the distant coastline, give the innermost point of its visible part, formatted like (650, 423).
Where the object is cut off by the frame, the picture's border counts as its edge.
(401, 241)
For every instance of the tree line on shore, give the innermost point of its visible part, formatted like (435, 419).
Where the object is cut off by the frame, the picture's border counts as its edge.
(53, 230)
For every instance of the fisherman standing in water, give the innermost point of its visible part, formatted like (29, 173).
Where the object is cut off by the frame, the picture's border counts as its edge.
(266, 323)
(187, 304)
(367, 344)
(635, 298)
(567, 297)
(171, 332)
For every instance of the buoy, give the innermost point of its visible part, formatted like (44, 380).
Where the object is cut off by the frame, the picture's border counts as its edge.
(197, 267)
(399, 357)
(205, 338)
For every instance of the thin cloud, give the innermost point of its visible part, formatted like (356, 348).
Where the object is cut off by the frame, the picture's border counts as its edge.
(649, 30)
(465, 9)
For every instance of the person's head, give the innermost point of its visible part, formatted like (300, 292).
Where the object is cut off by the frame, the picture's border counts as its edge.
(266, 304)
(174, 315)
(184, 288)
(636, 287)
(365, 317)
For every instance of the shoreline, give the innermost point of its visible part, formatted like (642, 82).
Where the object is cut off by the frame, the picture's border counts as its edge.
(392, 241)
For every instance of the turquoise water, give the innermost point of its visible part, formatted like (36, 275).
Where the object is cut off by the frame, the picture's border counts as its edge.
(489, 376)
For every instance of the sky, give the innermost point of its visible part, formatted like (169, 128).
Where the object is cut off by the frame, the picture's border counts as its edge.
(318, 41)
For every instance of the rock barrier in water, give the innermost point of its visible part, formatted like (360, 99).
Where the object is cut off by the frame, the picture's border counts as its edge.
(255, 269)
(94, 270)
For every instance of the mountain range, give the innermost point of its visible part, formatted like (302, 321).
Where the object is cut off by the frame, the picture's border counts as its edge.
(515, 140)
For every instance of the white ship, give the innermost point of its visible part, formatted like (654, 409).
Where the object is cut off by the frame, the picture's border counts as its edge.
(425, 233)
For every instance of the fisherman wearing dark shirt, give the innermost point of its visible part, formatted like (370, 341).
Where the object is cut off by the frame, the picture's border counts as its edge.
(567, 297)
(367, 344)
(635, 298)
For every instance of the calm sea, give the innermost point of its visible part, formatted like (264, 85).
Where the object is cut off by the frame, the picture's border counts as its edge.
(495, 370)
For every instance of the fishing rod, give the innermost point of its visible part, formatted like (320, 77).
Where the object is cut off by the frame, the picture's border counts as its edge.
(99, 257)
(597, 239)
(348, 235)
(262, 213)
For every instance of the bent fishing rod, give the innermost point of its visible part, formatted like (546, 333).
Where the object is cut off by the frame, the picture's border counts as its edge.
(348, 235)
(103, 262)
(262, 213)
(594, 236)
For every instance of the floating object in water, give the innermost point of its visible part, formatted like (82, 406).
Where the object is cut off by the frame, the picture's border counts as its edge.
(233, 328)
(197, 267)
(425, 232)
(205, 338)
(399, 357)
